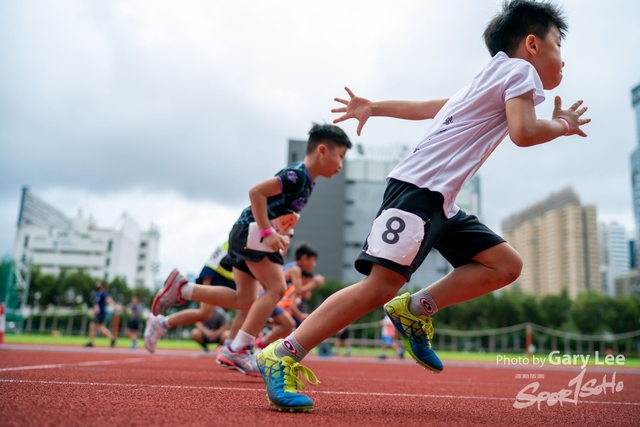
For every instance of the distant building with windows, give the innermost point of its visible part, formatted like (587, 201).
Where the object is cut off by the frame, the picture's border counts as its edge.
(557, 239)
(341, 210)
(614, 255)
(635, 164)
(46, 238)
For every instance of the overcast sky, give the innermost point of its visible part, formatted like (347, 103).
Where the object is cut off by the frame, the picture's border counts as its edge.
(171, 111)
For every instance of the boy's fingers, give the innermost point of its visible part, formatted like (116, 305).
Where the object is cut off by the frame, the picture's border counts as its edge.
(557, 102)
(349, 92)
(339, 110)
(575, 105)
(340, 119)
(342, 101)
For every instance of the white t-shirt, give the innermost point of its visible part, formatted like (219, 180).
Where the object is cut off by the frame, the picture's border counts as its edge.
(467, 129)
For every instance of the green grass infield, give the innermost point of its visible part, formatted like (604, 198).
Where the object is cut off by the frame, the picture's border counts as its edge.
(504, 359)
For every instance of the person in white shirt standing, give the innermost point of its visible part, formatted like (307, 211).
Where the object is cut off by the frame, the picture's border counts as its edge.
(418, 211)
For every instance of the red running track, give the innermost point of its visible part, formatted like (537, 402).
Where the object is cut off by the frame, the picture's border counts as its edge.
(49, 386)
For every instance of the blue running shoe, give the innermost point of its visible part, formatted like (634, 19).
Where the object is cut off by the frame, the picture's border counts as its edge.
(415, 331)
(280, 376)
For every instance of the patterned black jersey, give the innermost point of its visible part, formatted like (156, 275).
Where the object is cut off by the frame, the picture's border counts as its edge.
(296, 190)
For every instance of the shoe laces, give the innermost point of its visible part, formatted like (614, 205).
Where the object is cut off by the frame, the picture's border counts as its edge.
(292, 373)
(427, 327)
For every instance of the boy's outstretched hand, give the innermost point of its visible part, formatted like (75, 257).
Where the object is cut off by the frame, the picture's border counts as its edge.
(571, 115)
(356, 108)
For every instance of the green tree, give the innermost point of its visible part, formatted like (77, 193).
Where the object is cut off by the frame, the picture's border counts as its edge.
(593, 313)
(508, 311)
(556, 309)
(627, 318)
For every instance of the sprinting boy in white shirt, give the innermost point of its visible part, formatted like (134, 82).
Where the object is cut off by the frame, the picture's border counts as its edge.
(418, 212)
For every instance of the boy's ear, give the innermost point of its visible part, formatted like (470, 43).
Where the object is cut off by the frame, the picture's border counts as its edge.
(322, 149)
(531, 43)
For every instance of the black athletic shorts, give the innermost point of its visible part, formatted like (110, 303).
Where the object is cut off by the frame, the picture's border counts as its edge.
(99, 318)
(134, 324)
(238, 254)
(217, 279)
(344, 334)
(408, 209)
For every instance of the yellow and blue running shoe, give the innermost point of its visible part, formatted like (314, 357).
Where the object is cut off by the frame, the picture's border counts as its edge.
(281, 377)
(415, 331)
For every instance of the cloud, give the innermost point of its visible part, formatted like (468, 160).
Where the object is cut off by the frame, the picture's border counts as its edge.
(197, 100)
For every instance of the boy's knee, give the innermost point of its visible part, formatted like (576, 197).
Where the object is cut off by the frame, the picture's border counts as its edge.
(277, 289)
(195, 335)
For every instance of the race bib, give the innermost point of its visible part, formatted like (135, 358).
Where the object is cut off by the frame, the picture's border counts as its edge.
(214, 260)
(282, 224)
(396, 235)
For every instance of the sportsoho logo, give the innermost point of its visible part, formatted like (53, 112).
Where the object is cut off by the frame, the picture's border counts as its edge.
(576, 389)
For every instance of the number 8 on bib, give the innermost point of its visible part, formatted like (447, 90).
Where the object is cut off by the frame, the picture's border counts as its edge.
(396, 235)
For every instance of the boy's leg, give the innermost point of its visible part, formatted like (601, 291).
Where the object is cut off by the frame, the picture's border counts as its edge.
(489, 270)
(176, 289)
(348, 305)
(279, 362)
(284, 324)
(159, 325)
(190, 316)
(107, 333)
(238, 355)
(492, 269)
(199, 337)
(270, 275)
(92, 334)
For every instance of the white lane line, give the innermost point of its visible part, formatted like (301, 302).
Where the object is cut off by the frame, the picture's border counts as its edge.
(261, 390)
(67, 365)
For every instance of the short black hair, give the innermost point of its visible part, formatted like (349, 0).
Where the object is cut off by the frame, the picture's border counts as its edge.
(332, 135)
(305, 249)
(518, 19)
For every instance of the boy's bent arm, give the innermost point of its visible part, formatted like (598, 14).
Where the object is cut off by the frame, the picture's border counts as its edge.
(526, 130)
(258, 196)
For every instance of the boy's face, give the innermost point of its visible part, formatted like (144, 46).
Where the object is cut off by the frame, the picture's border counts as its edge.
(331, 159)
(548, 62)
(307, 263)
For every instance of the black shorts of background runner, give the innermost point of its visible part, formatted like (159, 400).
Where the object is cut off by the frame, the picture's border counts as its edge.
(238, 254)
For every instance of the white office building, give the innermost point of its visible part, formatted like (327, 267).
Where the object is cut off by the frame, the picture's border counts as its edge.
(614, 255)
(49, 240)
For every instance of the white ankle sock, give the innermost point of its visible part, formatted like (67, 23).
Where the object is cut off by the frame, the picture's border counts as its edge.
(164, 322)
(241, 340)
(186, 291)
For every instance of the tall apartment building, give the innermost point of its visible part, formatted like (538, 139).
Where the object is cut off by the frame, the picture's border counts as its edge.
(635, 164)
(557, 239)
(338, 217)
(46, 238)
(614, 255)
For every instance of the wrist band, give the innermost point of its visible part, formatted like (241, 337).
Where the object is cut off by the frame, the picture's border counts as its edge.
(265, 233)
(566, 123)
